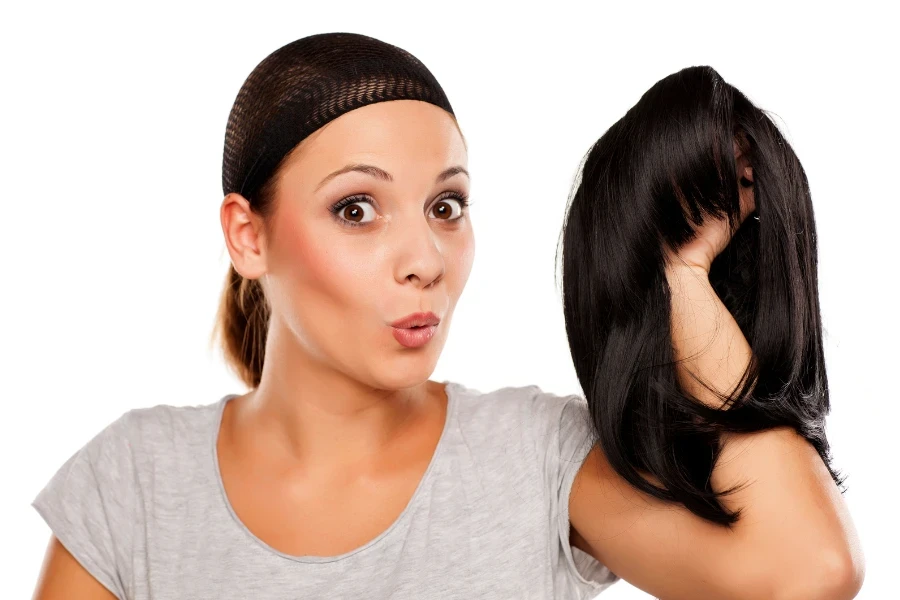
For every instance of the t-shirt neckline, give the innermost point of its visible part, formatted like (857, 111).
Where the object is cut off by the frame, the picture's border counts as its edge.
(450, 389)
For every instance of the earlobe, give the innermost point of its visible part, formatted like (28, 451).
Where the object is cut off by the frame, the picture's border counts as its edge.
(244, 236)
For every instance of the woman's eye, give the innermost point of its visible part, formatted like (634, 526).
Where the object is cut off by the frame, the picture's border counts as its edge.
(447, 209)
(358, 212)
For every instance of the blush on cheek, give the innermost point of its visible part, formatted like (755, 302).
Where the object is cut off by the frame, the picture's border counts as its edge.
(328, 292)
(329, 265)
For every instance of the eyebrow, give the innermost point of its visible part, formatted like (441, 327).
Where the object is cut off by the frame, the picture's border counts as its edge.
(448, 173)
(380, 173)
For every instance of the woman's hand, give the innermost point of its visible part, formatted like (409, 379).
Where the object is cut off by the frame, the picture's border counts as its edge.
(713, 236)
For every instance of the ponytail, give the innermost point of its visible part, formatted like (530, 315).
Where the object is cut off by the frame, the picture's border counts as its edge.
(242, 325)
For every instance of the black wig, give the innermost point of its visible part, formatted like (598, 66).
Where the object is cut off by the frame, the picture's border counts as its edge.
(646, 184)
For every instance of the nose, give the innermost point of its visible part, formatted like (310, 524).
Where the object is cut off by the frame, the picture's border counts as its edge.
(420, 260)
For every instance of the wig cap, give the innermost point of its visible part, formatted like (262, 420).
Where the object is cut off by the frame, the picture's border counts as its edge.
(302, 86)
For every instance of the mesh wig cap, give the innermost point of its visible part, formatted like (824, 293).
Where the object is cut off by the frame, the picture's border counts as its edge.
(302, 86)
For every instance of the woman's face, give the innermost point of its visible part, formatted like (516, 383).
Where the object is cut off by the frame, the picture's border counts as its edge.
(370, 227)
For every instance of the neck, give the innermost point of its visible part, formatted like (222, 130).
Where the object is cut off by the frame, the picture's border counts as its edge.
(320, 418)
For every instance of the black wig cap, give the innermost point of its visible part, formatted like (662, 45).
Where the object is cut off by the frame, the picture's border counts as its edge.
(302, 86)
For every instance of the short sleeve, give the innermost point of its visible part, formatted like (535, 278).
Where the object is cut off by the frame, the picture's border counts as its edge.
(568, 435)
(89, 506)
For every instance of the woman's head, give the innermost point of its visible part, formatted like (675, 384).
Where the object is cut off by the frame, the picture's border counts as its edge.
(345, 211)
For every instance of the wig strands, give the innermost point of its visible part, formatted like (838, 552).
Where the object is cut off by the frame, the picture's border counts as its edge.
(654, 176)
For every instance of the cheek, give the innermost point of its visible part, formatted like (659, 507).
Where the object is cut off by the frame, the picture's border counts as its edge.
(326, 270)
(459, 259)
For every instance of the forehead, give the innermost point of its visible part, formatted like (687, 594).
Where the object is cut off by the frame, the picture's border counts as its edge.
(398, 134)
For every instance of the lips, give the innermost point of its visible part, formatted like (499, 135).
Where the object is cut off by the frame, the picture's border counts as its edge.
(428, 319)
(415, 330)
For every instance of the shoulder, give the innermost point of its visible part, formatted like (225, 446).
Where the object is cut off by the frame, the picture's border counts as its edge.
(528, 401)
(163, 421)
(143, 438)
(157, 421)
(94, 501)
(520, 412)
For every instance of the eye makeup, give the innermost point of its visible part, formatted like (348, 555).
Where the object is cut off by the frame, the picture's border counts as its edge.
(343, 203)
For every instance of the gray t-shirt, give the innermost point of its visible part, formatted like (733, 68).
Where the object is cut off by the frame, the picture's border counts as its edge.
(142, 507)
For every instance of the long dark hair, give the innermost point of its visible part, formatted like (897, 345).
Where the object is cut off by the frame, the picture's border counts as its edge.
(647, 183)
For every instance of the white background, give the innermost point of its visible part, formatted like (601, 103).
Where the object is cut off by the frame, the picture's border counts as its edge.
(113, 120)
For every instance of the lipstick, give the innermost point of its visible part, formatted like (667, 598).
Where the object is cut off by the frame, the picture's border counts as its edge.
(415, 330)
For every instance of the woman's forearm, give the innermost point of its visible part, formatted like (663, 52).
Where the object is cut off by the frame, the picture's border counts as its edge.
(706, 340)
(794, 527)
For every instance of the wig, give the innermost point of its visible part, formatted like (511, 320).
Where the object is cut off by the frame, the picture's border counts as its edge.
(647, 184)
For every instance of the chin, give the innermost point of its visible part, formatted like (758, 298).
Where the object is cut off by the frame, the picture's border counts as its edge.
(404, 371)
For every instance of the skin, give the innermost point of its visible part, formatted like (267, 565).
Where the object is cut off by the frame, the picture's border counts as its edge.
(344, 412)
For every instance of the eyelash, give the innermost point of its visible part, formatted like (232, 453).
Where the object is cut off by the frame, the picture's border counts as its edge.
(336, 208)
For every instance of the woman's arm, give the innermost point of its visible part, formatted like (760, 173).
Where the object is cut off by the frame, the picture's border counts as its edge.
(63, 577)
(795, 537)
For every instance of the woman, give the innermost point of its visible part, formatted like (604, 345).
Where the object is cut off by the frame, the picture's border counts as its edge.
(345, 472)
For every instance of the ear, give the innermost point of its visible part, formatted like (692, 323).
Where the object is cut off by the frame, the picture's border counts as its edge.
(244, 236)
(744, 171)
(746, 189)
